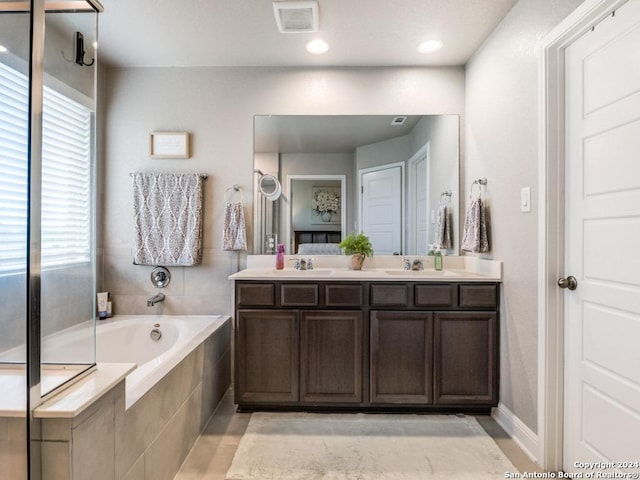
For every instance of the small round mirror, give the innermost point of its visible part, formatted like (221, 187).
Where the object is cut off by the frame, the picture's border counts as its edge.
(160, 277)
(270, 187)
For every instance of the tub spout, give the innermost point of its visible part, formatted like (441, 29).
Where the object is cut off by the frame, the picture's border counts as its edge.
(158, 297)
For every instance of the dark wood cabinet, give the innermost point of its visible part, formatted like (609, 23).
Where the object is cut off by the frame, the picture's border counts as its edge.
(466, 358)
(401, 357)
(267, 361)
(367, 345)
(331, 357)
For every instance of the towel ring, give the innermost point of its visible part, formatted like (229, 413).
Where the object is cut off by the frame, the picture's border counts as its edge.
(445, 197)
(233, 189)
(480, 182)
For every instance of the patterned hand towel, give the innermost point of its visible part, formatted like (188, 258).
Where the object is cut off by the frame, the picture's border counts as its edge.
(474, 235)
(234, 235)
(167, 219)
(443, 229)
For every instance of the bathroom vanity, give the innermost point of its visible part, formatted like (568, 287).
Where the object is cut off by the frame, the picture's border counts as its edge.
(371, 340)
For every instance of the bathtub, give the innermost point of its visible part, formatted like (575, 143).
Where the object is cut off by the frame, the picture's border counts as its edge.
(145, 426)
(127, 339)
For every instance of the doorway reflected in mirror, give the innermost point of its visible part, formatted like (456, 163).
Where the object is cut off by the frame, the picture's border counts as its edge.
(425, 146)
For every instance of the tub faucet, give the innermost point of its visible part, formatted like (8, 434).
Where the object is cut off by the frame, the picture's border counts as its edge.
(157, 298)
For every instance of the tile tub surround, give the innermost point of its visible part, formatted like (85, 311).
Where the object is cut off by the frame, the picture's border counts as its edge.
(13, 448)
(149, 440)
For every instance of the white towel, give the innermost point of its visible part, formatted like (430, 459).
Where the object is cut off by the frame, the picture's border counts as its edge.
(167, 219)
(474, 236)
(234, 236)
(443, 229)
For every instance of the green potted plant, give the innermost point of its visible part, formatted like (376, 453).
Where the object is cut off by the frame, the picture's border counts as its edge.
(359, 247)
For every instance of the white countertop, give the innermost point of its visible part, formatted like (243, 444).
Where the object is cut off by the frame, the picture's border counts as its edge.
(388, 268)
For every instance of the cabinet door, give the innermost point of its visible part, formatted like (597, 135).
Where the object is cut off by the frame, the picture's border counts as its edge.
(466, 358)
(267, 356)
(331, 356)
(401, 357)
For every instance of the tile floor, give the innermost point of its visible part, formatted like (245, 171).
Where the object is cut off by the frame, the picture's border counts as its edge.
(211, 456)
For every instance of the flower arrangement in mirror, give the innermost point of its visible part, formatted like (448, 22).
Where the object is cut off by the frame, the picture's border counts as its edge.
(359, 247)
(325, 203)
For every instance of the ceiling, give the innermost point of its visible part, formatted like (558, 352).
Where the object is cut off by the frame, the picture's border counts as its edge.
(325, 133)
(244, 32)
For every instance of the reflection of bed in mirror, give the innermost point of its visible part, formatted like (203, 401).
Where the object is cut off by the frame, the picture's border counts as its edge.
(317, 242)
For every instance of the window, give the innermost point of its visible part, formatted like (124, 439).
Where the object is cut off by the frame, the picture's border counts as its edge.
(66, 176)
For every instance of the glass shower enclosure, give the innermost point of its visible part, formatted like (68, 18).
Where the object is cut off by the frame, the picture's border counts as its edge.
(48, 65)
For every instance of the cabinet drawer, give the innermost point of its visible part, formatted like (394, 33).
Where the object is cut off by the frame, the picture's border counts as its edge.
(434, 295)
(389, 294)
(299, 295)
(478, 296)
(255, 295)
(343, 295)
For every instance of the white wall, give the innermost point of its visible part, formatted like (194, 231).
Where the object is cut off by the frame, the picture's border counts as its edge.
(383, 153)
(444, 173)
(501, 145)
(217, 106)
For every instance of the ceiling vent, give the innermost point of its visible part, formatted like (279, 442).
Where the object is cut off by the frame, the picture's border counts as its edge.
(398, 120)
(296, 17)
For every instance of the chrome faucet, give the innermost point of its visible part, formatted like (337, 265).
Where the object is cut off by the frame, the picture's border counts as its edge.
(303, 264)
(417, 265)
(157, 298)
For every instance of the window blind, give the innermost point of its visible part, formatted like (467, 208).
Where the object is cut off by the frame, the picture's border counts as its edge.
(66, 176)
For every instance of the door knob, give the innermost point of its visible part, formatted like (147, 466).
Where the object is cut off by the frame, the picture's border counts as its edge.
(570, 282)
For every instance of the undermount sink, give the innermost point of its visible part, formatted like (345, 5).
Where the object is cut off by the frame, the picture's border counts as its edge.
(422, 273)
(292, 271)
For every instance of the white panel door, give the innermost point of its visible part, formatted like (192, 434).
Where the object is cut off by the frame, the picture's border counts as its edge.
(421, 208)
(417, 203)
(381, 209)
(602, 245)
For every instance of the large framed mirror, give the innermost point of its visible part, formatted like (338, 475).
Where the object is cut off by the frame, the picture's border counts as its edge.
(399, 174)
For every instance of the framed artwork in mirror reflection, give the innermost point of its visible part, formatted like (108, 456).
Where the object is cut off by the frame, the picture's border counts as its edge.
(325, 205)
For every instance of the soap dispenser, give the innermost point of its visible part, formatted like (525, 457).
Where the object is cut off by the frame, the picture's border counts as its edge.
(280, 256)
(437, 260)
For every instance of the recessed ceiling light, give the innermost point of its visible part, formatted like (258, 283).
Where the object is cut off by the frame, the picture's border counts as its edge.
(317, 46)
(3, 49)
(430, 46)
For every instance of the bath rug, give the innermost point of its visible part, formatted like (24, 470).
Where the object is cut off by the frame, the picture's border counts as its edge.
(307, 446)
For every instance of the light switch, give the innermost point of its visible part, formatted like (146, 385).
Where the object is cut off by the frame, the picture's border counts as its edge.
(525, 199)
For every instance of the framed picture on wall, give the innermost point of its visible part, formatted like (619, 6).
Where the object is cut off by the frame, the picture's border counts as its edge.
(169, 145)
(325, 206)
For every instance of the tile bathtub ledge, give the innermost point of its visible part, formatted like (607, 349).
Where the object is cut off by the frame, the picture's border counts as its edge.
(72, 401)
